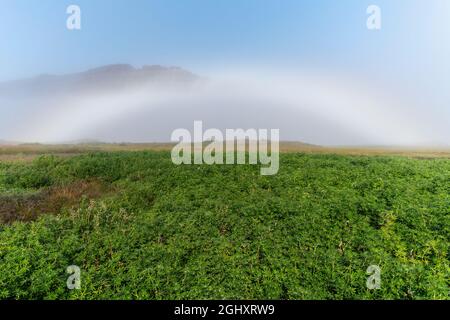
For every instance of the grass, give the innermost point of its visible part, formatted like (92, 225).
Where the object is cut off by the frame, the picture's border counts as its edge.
(140, 227)
(28, 152)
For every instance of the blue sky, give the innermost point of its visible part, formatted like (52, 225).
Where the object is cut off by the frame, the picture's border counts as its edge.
(199, 34)
(407, 59)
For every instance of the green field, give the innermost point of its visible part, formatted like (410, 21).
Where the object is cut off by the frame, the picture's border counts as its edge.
(140, 227)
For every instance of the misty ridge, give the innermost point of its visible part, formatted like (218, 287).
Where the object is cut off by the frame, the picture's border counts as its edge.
(122, 103)
(97, 80)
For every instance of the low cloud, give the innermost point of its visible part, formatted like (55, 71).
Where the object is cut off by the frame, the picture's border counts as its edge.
(309, 106)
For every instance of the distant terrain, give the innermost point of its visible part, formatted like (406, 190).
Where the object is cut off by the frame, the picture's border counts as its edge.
(104, 78)
(16, 151)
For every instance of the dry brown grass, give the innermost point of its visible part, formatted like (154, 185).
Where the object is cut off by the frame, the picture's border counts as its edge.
(49, 200)
(418, 152)
(27, 152)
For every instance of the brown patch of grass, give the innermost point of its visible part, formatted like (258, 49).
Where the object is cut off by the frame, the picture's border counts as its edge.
(27, 152)
(417, 153)
(49, 200)
(36, 149)
(26, 158)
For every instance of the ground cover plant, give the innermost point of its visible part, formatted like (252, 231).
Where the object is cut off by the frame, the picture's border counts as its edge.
(140, 227)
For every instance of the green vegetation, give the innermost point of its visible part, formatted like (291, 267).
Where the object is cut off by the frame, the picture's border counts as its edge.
(143, 228)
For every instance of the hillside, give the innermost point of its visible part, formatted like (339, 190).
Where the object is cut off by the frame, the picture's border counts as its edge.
(104, 78)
